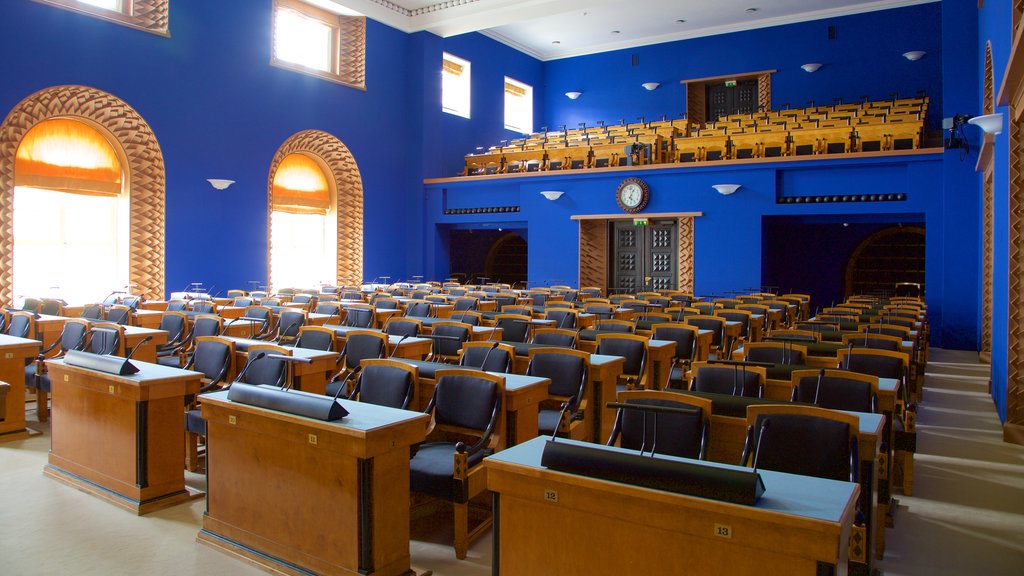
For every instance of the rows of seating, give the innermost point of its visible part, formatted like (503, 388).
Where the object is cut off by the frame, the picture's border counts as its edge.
(866, 127)
(756, 366)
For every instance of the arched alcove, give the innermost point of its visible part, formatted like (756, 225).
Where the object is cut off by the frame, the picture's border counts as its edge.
(144, 169)
(887, 257)
(344, 176)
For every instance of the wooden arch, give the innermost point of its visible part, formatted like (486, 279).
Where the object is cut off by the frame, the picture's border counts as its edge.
(348, 188)
(144, 176)
(869, 242)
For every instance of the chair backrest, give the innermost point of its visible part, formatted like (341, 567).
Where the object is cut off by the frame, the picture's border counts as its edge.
(214, 357)
(602, 311)
(107, 338)
(51, 307)
(265, 370)
(400, 326)
(774, 352)
(630, 346)
(289, 322)
(564, 318)
(726, 379)
(316, 338)
(465, 303)
(386, 382)
(352, 295)
(714, 323)
(176, 324)
(555, 337)
(332, 308)
(204, 307)
(456, 333)
(242, 302)
(302, 298)
(119, 314)
(467, 400)
(505, 299)
(31, 304)
(676, 434)
(876, 341)
(92, 312)
(514, 327)
(207, 325)
(75, 335)
(386, 303)
(21, 325)
(804, 440)
(234, 293)
(466, 317)
(518, 310)
(567, 370)
(735, 315)
(359, 315)
(835, 389)
(363, 344)
(880, 363)
(683, 335)
(177, 305)
(620, 326)
(419, 308)
(264, 314)
(487, 356)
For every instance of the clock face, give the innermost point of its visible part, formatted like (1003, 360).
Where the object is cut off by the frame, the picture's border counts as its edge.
(632, 195)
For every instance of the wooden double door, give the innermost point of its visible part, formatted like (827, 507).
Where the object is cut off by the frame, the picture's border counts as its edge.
(644, 257)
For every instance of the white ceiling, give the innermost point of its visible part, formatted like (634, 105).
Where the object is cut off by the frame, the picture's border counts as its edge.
(551, 29)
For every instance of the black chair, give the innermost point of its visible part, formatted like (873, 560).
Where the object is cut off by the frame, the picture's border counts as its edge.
(685, 338)
(567, 370)
(418, 308)
(107, 338)
(602, 311)
(204, 307)
(555, 337)
(514, 327)
(620, 326)
(466, 317)
(804, 440)
(263, 317)
(74, 336)
(487, 356)
(783, 353)
(677, 433)
(448, 340)
(836, 389)
(466, 412)
(31, 305)
(728, 379)
(876, 341)
(359, 345)
(401, 326)
(119, 314)
(177, 306)
(315, 338)
(565, 319)
(716, 325)
(631, 347)
(52, 307)
(330, 308)
(176, 325)
(21, 325)
(465, 303)
(359, 315)
(214, 357)
(386, 382)
(288, 325)
(93, 312)
(261, 368)
(243, 302)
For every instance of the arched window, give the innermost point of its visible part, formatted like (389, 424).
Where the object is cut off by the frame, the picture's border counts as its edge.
(70, 213)
(303, 224)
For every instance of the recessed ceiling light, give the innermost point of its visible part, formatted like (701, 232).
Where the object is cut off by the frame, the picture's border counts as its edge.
(752, 9)
(616, 32)
(680, 21)
(556, 41)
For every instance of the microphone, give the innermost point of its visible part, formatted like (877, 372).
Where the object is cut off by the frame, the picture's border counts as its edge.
(561, 416)
(487, 355)
(137, 346)
(760, 438)
(252, 360)
(817, 387)
(399, 343)
(233, 320)
(849, 352)
(291, 359)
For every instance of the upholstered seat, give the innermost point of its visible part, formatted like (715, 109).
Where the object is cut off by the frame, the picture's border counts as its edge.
(678, 434)
(802, 440)
(567, 370)
(726, 379)
(386, 382)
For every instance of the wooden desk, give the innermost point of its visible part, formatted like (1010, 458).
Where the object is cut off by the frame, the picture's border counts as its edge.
(729, 433)
(48, 330)
(310, 377)
(549, 522)
(412, 348)
(147, 318)
(120, 437)
(133, 335)
(160, 305)
(294, 494)
(13, 354)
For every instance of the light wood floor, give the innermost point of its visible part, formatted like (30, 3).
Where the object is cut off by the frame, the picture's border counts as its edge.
(966, 517)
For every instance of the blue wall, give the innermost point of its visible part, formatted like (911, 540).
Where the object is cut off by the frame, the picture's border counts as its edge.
(219, 110)
(864, 59)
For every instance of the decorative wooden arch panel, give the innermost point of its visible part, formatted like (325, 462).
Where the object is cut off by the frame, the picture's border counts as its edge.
(348, 188)
(144, 177)
(1013, 429)
(869, 242)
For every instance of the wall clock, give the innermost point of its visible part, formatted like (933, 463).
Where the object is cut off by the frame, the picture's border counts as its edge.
(633, 195)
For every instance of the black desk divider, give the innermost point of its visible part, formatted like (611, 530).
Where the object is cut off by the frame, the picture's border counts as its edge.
(289, 401)
(694, 479)
(100, 362)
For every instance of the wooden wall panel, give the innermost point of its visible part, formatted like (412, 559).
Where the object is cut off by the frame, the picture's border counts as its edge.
(1015, 341)
(594, 253)
(348, 186)
(686, 269)
(144, 176)
(988, 221)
